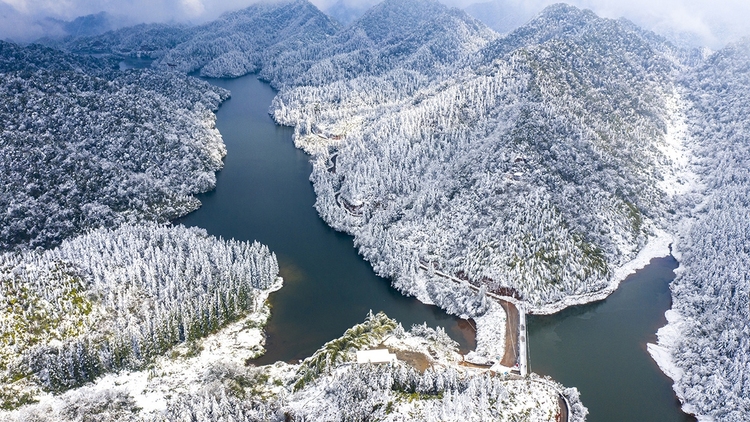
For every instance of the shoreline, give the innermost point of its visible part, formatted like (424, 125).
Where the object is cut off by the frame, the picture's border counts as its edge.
(667, 337)
(657, 247)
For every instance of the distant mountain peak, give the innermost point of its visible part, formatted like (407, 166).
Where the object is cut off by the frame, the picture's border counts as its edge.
(346, 12)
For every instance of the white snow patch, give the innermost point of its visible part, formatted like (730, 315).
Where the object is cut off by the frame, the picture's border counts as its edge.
(375, 356)
(668, 338)
(490, 336)
(678, 176)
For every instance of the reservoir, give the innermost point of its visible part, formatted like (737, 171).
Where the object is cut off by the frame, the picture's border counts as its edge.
(263, 193)
(600, 348)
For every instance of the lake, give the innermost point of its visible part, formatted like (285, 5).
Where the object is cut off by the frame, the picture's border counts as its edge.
(600, 348)
(264, 193)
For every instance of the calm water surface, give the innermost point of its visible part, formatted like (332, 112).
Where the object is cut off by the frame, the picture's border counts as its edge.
(263, 193)
(601, 349)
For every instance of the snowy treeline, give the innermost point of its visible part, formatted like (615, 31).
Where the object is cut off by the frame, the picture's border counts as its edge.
(86, 146)
(711, 293)
(532, 164)
(114, 299)
(235, 44)
(340, 391)
(145, 40)
(393, 393)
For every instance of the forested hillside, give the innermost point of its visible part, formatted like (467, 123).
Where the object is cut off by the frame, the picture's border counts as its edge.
(236, 44)
(535, 164)
(418, 38)
(144, 40)
(87, 146)
(427, 383)
(117, 299)
(711, 293)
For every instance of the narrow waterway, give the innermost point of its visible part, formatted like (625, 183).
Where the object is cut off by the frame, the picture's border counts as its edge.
(263, 193)
(600, 348)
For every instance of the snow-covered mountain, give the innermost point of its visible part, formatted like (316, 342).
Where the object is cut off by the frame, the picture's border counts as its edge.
(417, 39)
(532, 163)
(86, 146)
(237, 43)
(706, 346)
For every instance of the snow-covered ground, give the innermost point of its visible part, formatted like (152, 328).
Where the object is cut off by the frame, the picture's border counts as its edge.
(679, 177)
(210, 380)
(182, 370)
(490, 335)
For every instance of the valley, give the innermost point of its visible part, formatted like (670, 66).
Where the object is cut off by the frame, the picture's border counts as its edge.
(469, 170)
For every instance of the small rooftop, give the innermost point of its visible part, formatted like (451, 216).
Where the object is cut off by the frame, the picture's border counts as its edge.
(375, 356)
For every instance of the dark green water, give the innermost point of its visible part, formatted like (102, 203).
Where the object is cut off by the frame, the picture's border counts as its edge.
(264, 193)
(601, 349)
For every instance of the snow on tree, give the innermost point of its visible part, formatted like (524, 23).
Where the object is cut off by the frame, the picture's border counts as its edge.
(115, 299)
(711, 293)
(87, 146)
(528, 164)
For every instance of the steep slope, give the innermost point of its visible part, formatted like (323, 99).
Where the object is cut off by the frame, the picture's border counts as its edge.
(707, 342)
(245, 41)
(420, 36)
(86, 146)
(145, 40)
(237, 43)
(532, 165)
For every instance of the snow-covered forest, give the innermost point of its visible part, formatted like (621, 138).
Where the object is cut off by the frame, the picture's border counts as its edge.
(532, 163)
(427, 382)
(711, 294)
(85, 145)
(235, 44)
(117, 299)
